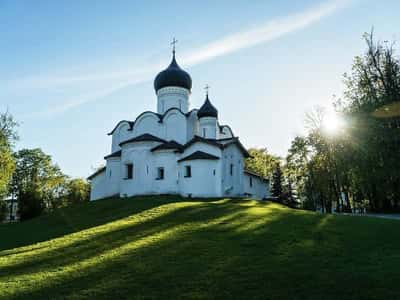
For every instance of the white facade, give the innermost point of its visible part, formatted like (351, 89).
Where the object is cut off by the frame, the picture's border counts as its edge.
(176, 151)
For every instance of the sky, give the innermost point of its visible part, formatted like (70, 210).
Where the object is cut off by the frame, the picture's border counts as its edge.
(70, 70)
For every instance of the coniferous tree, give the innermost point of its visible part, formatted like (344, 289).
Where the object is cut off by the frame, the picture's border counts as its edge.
(277, 179)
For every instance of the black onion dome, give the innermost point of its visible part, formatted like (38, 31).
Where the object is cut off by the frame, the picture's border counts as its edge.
(207, 110)
(173, 76)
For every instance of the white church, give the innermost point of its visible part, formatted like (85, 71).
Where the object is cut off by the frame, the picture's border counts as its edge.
(176, 150)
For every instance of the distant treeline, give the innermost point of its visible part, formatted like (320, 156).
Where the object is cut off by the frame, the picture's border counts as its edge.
(30, 178)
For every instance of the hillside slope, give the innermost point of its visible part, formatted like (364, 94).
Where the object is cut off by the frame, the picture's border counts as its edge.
(175, 248)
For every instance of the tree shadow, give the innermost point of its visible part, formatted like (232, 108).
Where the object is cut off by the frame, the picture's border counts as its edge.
(217, 250)
(95, 242)
(76, 218)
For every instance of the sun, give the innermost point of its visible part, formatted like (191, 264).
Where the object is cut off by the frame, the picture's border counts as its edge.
(332, 123)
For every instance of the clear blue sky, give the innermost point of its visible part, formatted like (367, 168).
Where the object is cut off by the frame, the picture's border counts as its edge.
(70, 70)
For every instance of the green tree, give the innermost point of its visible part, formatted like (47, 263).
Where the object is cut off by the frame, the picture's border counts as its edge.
(30, 203)
(37, 182)
(261, 162)
(8, 136)
(358, 165)
(76, 191)
(277, 182)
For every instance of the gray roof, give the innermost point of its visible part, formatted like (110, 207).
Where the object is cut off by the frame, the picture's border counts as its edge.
(199, 155)
(115, 154)
(171, 145)
(143, 138)
(249, 172)
(99, 171)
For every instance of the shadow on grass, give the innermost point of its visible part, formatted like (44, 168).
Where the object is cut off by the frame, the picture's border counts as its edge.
(217, 250)
(76, 218)
(82, 246)
(208, 242)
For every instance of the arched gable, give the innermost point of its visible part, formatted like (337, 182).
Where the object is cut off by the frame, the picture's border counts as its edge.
(225, 131)
(147, 122)
(121, 132)
(175, 124)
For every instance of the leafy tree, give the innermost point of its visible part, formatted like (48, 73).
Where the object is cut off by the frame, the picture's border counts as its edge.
(30, 203)
(77, 190)
(359, 165)
(8, 136)
(261, 162)
(37, 182)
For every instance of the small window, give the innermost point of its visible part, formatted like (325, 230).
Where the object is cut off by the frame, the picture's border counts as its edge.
(231, 169)
(129, 171)
(110, 173)
(160, 173)
(188, 171)
(251, 181)
(204, 132)
(214, 172)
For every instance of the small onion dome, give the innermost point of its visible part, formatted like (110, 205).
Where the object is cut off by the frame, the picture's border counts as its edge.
(207, 110)
(173, 76)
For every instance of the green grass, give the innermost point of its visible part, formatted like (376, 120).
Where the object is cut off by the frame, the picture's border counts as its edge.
(171, 248)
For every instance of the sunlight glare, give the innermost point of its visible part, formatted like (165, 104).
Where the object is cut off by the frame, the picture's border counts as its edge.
(332, 123)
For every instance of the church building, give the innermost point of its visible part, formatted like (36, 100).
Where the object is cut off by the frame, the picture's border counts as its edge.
(176, 150)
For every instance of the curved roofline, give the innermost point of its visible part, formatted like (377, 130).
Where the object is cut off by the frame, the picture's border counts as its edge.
(130, 123)
(169, 110)
(227, 126)
(160, 117)
(148, 112)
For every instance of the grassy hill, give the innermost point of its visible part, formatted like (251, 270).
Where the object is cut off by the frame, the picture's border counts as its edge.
(169, 248)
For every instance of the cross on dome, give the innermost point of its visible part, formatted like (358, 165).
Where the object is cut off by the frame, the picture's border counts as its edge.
(173, 43)
(207, 88)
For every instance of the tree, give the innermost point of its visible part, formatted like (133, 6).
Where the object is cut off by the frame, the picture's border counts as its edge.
(359, 165)
(30, 202)
(277, 179)
(298, 173)
(261, 162)
(37, 182)
(3, 210)
(8, 136)
(77, 191)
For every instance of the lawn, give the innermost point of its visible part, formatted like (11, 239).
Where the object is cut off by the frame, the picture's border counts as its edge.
(171, 248)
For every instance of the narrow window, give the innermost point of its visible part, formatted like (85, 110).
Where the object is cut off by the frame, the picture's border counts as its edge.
(251, 181)
(188, 171)
(129, 171)
(231, 169)
(110, 173)
(204, 132)
(214, 172)
(160, 173)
